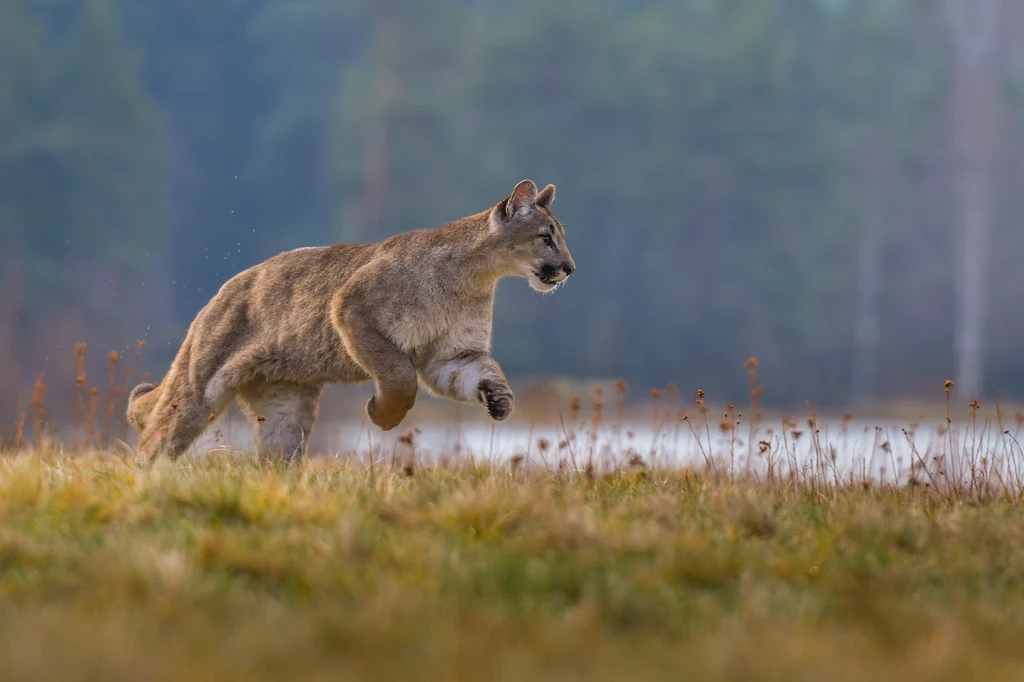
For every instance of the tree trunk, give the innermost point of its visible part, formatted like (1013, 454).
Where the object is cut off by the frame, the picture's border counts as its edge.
(867, 332)
(973, 178)
(11, 278)
(375, 160)
(974, 27)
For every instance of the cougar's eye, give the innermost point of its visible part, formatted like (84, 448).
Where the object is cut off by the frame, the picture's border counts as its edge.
(547, 239)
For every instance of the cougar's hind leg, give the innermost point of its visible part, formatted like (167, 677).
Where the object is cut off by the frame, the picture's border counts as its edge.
(179, 416)
(283, 415)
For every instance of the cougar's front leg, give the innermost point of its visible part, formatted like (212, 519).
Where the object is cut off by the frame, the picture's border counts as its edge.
(393, 373)
(471, 375)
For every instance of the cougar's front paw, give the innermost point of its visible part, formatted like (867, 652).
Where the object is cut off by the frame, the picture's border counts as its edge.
(384, 417)
(497, 397)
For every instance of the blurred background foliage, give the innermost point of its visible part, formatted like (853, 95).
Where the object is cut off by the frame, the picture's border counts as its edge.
(737, 177)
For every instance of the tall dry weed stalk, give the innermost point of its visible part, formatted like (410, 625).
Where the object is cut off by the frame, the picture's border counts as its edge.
(36, 401)
(754, 418)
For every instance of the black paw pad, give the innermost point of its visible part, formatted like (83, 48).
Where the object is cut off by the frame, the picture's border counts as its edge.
(498, 398)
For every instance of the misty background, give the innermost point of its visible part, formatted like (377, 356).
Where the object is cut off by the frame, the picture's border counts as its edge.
(832, 186)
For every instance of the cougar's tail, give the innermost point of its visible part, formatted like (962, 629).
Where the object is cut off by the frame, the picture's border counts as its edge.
(141, 401)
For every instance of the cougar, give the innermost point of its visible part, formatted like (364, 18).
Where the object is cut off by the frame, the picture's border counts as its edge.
(414, 309)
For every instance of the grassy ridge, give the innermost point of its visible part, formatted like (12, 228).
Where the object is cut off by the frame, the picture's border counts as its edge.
(226, 568)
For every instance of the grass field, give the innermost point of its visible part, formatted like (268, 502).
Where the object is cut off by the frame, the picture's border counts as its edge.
(226, 568)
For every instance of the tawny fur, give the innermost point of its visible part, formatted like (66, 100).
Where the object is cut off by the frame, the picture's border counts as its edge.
(415, 309)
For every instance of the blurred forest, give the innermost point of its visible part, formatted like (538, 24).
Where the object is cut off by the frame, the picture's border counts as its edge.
(833, 186)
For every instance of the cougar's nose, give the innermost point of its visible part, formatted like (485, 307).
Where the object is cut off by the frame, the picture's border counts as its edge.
(568, 268)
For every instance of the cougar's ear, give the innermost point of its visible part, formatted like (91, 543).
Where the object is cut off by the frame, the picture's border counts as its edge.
(546, 196)
(522, 200)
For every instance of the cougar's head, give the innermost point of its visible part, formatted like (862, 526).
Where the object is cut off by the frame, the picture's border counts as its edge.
(533, 237)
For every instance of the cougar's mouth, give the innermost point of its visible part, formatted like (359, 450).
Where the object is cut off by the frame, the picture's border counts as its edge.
(545, 283)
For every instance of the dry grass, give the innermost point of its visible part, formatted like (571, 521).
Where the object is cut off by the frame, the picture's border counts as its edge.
(227, 568)
(588, 557)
